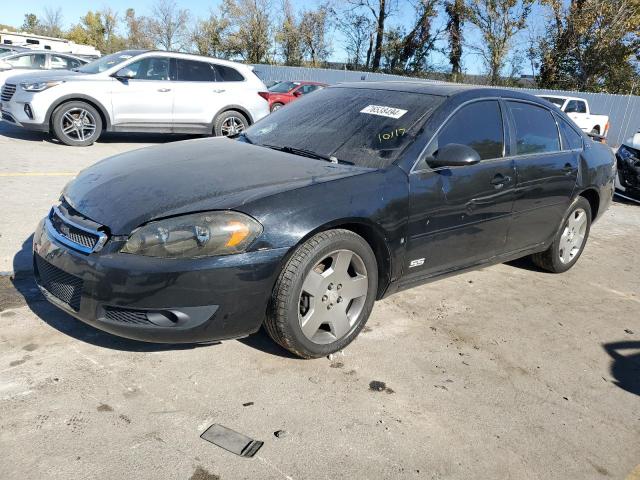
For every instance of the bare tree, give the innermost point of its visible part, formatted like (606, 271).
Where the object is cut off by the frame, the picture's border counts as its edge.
(314, 27)
(137, 30)
(168, 25)
(498, 22)
(51, 23)
(208, 35)
(251, 36)
(288, 36)
(455, 12)
(356, 29)
(380, 11)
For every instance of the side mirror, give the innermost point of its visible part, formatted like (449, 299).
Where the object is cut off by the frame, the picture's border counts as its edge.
(125, 74)
(454, 155)
(5, 66)
(297, 93)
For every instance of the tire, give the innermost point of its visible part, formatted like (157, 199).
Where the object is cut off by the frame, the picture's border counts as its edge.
(309, 292)
(564, 252)
(595, 131)
(229, 123)
(276, 106)
(77, 124)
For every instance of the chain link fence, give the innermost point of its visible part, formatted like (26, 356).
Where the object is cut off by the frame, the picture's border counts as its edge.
(623, 110)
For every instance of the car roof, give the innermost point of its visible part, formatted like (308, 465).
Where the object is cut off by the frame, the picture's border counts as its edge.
(441, 89)
(52, 52)
(200, 57)
(561, 97)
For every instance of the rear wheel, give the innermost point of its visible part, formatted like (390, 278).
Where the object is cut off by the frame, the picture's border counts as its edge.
(77, 124)
(230, 123)
(324, 295)
(570, 240)
(276, 106)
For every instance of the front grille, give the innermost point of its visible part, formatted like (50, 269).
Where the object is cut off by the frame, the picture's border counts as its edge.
(72, 233)
(62, 285)
(7, 92)
(120, 315)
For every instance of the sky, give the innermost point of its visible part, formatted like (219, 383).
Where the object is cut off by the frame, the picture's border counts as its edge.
(12, 13)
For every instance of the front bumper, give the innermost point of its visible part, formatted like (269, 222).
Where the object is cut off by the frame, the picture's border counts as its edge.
(154, 299)
(12, 109)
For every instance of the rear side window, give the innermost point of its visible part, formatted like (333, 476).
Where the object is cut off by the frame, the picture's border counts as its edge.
(576, 106)
(191, 71)
(228, 74)
(478, 125)
(571, 140)
(58, 62)
(536, 130)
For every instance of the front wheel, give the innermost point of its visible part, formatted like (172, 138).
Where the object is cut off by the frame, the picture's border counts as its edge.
(77, 124)
(324, 295)
(570, 240)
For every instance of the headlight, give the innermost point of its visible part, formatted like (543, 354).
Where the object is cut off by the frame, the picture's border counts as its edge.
(195, 235)
(39, 86)
(623, 152)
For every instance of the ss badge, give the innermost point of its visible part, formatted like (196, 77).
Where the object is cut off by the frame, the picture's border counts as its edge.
(416, 263)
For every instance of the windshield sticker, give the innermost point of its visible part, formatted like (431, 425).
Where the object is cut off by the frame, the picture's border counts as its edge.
(382, 111)
(391, 134)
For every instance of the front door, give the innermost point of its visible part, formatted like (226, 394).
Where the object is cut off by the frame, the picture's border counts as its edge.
(145, 100)
(460, 216)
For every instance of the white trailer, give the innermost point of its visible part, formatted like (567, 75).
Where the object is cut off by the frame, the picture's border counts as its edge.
(40, 42)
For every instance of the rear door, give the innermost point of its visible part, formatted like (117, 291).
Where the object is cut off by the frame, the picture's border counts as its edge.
(460, 216)
(145, 100)
(198, 97)
(546, 174)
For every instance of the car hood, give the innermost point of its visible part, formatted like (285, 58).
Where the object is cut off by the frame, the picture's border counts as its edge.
(45, 75)
(128, 190)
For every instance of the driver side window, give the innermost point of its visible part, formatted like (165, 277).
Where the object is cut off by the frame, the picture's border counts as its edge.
(150, 68)
(477, 125)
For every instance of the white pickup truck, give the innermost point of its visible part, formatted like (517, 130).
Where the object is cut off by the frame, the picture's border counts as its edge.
(577, 109)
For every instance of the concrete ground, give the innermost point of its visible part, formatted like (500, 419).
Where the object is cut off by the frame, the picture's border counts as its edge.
(506, 372)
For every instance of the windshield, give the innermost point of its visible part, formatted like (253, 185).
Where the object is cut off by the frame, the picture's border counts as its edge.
(556, 101)
(283, 87)
(367, 127)
(105, 63)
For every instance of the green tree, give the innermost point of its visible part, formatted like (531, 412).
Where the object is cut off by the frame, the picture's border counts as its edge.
(251, 34)
(31, 23)
(288, 36)
(455, 11)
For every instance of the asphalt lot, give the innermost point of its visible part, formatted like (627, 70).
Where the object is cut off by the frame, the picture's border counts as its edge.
(506, 372)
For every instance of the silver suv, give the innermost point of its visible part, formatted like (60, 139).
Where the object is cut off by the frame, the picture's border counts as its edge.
(137, 91)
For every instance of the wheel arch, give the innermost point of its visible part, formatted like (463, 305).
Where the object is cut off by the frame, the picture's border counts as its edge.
(104, 115)
(373, 235)
(237, 108)
(593, 197)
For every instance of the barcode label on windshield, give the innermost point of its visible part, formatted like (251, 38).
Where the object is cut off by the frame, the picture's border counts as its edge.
(382, 111)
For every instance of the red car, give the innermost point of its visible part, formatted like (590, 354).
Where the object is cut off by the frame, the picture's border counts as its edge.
(284, 92)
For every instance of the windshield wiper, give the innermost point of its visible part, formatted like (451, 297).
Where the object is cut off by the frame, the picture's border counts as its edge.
(307, 153)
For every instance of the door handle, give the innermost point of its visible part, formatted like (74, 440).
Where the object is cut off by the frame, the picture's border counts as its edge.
(164, 90)
(568, 169)
(499, 180)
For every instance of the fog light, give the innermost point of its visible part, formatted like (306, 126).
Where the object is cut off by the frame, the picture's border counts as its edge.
(28, 111)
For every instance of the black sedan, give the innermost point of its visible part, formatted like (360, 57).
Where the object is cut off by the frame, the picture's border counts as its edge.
(312, 214)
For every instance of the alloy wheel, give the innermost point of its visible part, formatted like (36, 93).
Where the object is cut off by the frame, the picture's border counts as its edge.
(333, 296)
(78, 124)
(232, 125)
(573, 236)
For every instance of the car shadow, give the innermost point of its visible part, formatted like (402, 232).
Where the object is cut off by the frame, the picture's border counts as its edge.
(525, 263)
(625, 367)
(24, 283)
(17, 133)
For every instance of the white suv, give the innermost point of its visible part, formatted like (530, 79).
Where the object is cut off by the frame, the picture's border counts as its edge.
(137, 91)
